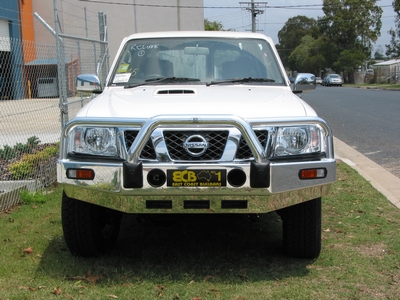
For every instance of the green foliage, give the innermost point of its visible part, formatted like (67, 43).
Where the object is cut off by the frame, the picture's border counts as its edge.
(24, 148)
(350, 23)
(396, 6)
(33, 141)
(7, 153)
(43, 155)
(306, 57)
(51, 151)
(352, 26)
(347, 26)
(349, 60)
(21, 169)
(11, 152)
(32, 197)
(292, 33)
(378, 55)
(27, 148)
(393, 49)
(26, 165)
(214, 26)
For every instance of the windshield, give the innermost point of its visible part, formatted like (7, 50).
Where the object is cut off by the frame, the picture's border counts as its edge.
(196, 61)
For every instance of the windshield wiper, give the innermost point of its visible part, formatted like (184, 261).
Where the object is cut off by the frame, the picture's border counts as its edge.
(240, 80)
(162, 79)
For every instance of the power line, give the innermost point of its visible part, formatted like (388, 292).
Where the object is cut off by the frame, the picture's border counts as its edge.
(305, 6)
(298, 7)
(255, 11)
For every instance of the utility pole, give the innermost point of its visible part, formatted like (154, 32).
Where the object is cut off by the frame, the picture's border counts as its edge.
(254, 10)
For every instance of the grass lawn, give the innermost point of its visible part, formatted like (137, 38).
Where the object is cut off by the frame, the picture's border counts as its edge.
(208, 258)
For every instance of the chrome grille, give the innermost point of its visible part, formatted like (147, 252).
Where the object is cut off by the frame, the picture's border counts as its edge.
(216, 144)
(174, 141)
(148, 150)
(244, 151)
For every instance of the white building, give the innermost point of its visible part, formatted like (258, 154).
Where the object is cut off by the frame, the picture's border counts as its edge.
(123, 18)
(388, 71)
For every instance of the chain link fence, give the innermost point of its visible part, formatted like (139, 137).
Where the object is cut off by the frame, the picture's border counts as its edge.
(37, 97)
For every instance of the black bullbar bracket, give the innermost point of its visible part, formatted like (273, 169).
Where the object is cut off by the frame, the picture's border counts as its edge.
(260, 174)
(133, 175)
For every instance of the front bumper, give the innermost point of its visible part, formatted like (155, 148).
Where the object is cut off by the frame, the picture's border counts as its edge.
(285, 189)
(256, 186)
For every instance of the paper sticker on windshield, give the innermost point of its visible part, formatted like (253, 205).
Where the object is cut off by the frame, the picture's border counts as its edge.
(123, 68)
(122, 77)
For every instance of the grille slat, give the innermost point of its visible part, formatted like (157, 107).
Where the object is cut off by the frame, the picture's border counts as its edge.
(216, 140)
(148, 151)
(244, 151)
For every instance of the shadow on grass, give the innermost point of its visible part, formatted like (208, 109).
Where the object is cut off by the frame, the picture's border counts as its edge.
(228, 248)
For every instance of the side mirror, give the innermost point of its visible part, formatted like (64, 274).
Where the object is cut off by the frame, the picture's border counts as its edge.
(304, 82)
(88, 83)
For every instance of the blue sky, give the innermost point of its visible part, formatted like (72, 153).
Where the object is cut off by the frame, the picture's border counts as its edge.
(235, 16)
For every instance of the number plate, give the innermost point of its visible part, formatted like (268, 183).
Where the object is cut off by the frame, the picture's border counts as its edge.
(196, 178)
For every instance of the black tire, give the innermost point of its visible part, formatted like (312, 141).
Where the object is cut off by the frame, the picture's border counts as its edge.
(302, 229)
(89, 230)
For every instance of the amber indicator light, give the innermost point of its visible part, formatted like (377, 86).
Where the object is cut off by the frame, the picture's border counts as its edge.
(312, 173)
(84, 174)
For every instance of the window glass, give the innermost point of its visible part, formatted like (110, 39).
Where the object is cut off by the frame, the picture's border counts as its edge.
(205, 59)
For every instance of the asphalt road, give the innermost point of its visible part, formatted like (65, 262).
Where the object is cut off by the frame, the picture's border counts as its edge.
(365, 119)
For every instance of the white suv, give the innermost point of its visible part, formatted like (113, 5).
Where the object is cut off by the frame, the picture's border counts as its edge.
(195, 123)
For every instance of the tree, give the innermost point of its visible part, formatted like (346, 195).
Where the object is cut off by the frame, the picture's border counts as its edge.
(348, 62)
(291, 34)
(393, 49)
(379, 53)
(353, 27)
(213, 26)
(309, 56)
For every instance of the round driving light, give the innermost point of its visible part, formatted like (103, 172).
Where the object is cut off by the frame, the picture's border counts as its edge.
(236, 177)
(156, 178)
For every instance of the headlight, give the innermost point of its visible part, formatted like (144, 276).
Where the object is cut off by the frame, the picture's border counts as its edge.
(298, 140)
(93, 140)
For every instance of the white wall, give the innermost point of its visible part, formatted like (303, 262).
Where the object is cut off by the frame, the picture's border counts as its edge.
(122, 20)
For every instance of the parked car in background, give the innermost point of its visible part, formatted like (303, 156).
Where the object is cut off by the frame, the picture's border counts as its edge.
(318, 80)
(333, 79)
(369, 72)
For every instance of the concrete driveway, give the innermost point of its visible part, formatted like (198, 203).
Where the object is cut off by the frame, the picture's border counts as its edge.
(41, 117)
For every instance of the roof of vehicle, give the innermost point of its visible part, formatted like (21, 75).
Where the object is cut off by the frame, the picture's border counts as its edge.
(223, 34)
